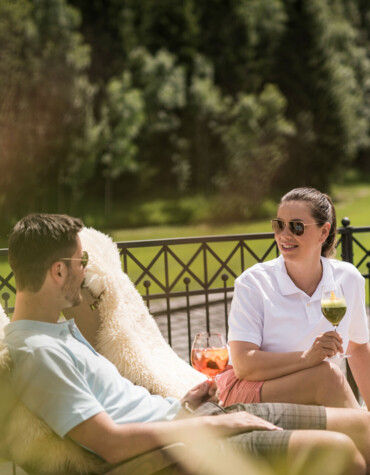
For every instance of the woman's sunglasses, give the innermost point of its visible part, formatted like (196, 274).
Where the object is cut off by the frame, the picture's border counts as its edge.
(296, 227)
(84, 259)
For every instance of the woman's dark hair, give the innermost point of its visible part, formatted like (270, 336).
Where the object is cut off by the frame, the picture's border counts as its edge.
(322, 210)
(36, 242)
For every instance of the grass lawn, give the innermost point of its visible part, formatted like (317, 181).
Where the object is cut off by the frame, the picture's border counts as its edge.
(351, 201)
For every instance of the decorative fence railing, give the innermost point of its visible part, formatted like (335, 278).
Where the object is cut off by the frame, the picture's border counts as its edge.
(188, 283)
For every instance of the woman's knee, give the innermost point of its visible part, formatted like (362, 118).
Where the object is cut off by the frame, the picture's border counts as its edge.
(330, 382)
(331, 372)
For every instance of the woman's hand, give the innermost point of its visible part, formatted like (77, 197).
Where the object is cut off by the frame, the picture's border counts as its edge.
(325, 345)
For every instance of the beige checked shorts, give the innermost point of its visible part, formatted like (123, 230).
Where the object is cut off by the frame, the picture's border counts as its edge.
(262, 442)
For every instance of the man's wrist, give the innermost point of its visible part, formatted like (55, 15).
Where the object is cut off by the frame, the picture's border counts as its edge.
(187, 406)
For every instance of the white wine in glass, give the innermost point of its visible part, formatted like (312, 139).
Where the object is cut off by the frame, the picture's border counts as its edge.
(333, 306)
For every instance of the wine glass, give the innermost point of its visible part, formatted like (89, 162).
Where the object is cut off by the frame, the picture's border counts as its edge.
(333, 306)
(209, 353)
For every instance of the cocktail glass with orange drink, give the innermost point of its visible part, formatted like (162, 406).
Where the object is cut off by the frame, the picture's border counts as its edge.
(209, 353)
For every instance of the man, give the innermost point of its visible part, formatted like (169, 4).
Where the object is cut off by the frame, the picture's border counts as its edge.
(81, 395)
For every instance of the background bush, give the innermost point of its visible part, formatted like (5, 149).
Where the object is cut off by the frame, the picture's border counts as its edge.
(119, 101)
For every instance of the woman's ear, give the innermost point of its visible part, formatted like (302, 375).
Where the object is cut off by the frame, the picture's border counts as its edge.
(325, 230)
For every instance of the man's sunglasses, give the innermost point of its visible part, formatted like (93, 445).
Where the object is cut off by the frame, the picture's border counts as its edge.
(84, 259)
(296, 227)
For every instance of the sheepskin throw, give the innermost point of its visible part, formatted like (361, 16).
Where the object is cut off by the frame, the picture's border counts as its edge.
(128, 335)
(28, 441)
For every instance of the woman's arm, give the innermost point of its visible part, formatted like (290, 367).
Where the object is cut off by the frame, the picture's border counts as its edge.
(251, 363)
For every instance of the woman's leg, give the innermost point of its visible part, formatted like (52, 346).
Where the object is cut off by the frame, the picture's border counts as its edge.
(323, 385)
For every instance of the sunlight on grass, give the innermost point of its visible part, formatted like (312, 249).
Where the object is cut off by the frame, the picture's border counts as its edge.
(351, 201)
(164, 232)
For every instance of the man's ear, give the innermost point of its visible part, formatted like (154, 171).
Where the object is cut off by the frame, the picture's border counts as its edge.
(58, 271)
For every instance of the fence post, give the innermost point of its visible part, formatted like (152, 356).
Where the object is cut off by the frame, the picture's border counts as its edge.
(347, 255)
(347, 242)
(6, 297)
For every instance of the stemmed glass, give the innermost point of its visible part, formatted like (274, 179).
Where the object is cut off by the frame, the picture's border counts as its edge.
(209, 353)
(333, 307)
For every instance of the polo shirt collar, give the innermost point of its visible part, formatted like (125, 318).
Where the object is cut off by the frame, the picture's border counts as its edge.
(55, 330)
(327, 276)
(287, 286)
(36, 326)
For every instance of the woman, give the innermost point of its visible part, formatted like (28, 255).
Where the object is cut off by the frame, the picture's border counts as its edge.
(278, 337)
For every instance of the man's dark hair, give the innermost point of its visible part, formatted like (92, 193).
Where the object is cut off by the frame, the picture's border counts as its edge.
(36, 242)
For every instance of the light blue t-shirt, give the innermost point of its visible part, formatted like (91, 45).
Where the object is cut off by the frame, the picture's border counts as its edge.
(60, 377)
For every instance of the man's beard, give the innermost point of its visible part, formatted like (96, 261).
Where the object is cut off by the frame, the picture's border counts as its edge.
(72, 291)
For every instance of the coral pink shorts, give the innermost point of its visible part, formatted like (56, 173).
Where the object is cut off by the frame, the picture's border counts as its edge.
(233, 390)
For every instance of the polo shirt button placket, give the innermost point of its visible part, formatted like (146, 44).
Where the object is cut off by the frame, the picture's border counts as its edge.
(305, 299)
(311, 314)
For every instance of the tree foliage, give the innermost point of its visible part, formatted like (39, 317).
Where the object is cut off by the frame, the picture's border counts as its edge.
(255, 136)
(324, 95)
(46, 115)
(120, 99)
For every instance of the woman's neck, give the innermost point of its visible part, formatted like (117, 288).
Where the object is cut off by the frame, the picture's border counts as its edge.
(306, 278)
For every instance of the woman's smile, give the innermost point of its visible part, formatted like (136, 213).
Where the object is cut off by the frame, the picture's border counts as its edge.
(288, 247)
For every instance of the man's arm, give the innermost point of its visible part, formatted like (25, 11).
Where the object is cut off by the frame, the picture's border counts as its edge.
(115, 443)
(360, 367)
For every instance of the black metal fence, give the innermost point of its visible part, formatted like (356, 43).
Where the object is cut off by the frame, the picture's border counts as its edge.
(188, 283)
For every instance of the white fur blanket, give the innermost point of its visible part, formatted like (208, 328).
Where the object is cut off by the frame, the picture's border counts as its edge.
(4, 320)
(128, 335)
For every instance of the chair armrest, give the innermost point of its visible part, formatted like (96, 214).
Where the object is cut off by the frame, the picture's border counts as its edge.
(151, 462)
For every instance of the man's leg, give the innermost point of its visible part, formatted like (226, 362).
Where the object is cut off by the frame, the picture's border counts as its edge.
(305, 441)
(324, 452)
(354, 423)
(303, 451)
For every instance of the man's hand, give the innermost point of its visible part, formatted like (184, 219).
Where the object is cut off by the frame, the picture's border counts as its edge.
(203, 392)
(227, 425)
(325, 345)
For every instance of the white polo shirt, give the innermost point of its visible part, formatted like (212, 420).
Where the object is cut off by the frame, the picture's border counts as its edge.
(271, 312)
